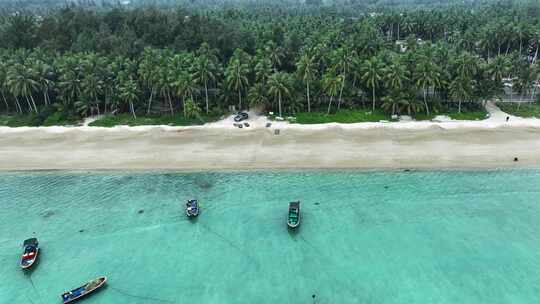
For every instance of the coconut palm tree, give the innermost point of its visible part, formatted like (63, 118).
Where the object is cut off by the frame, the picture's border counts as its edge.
(393, 103)
(396, 75)
(185, 87)
(70, 72)
(263, 69)
(460, 90)
(331, 85)
(427, 75)
(3, 72)
(372, 74)
(279, 86)
(499, 67)
(129, 93)
(205, 69)
(274, 53)
(149, 72)
(307, 70)
(165, 84)
(92, 88)
(257, 95)
(20, 83)
(342, 60)
(236, 74)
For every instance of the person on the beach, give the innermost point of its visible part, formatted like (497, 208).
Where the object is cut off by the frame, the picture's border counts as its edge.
(507, 118)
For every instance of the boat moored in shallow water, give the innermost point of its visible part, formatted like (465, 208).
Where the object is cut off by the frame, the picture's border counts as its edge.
(293, 219)
(30, 253)
(192, 208)
(86, 289)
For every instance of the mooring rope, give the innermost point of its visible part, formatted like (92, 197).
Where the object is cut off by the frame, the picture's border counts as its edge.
(139, 297)
(34, 288)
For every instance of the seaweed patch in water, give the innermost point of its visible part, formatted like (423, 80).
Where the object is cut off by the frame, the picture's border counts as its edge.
(204, 185)
(48, 213)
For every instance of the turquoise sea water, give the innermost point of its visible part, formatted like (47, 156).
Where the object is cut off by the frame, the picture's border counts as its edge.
(366, 237)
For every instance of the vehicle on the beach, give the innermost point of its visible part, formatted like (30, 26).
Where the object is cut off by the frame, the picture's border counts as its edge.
(30, 253)
(241, 116)
(192, 208)
(86, 289)
(293, 219)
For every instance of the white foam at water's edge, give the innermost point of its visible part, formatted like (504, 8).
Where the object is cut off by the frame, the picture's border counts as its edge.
(415, 125)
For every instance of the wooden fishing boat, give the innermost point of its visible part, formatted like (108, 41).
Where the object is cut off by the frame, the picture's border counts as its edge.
(30, 253)
(86, 289)
(293, 219)
(192, 208)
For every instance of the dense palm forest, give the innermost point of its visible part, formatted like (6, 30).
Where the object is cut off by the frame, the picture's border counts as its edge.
(74, 62)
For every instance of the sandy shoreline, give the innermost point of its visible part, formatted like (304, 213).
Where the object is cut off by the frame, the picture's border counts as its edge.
(421, 145)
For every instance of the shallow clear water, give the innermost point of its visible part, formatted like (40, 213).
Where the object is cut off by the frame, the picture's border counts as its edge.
(366, 237)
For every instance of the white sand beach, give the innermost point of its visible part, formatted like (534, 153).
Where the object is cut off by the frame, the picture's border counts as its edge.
(490, 143)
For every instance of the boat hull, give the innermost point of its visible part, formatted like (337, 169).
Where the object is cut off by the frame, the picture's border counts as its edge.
(30, 253)
(293, 219)
(85, 292)
(292, 226)
(192, 208)
(26, 264)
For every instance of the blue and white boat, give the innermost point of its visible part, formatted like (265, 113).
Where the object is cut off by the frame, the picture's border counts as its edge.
(192, 208)
(86, 289)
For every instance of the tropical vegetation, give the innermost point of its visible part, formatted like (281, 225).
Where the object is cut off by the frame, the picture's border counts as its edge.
(149, 63)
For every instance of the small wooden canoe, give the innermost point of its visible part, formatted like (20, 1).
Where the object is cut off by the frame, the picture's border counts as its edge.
(293, 219)
(86, 289)
(192, 208)
(30, 253)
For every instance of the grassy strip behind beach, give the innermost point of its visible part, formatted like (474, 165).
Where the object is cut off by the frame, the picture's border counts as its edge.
(33, 120)
(469, 112)
(174, 120)
(526, 110)
(469, 115)
(341, 116)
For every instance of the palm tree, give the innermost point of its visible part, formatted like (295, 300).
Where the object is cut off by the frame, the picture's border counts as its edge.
(343, 58)
(372, 73)
(149, 72)
(460, 90)
(393, 103)
(499, 67)
(263, 69)
(21, 84)
(410, 103)
(92, 88)
(3, 72)
(427, 75)
(45, 76)
(465, 65)
(396, 74)
(279, 86)
(307, 70)
(165, 84)
(185, 87)
(236, 75)
(205, 69)
(331, 85)
(274, 53)
(70, 78)
(257, 95)
(129, 93)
